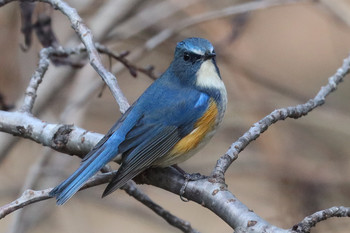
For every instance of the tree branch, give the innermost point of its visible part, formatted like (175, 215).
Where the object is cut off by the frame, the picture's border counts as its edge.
(212, 195)
(133, 191)
(85, 36)
(217, 14)
(310, 221)
(277, 115)
(31, 196)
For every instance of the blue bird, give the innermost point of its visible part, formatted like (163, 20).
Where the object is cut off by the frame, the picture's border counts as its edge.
(169, 122)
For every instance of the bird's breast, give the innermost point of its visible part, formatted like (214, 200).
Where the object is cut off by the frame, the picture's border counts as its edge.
(204, 125)
(204, 129)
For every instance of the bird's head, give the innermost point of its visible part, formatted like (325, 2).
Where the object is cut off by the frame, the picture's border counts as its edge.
(194, 62)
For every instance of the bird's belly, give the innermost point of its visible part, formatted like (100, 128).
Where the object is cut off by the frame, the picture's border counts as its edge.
(204, 129)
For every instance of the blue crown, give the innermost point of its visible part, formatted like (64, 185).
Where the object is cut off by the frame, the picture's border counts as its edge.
(196, 45)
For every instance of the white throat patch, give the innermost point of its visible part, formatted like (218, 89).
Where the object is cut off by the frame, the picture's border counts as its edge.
(208, 77)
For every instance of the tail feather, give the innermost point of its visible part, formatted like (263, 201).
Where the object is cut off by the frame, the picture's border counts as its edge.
(87, 169)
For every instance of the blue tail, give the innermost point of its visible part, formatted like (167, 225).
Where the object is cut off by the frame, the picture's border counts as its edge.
(87, 169)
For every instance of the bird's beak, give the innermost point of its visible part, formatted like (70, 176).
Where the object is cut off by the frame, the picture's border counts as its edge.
(209, 55)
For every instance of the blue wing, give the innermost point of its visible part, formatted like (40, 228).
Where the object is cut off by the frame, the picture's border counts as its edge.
(104, 151)
(164, 114)
(153, 136)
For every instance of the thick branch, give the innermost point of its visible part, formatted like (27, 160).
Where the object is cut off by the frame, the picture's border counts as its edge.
(67, 139)
(73, 140)
(212, 195)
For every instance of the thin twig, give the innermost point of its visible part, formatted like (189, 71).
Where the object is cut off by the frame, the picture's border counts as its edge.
(279, 114)
(311, 221)
(181, 224)
(43, 64)
(31, 196)
(85, 36)
(122, 59)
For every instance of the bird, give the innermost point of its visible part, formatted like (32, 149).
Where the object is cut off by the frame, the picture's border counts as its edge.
(175, 117)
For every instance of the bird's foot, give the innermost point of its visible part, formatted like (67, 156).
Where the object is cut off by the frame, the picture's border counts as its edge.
(194, 176)
(188, 177)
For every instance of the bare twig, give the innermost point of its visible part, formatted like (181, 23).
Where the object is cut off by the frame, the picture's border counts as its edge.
(31, 196)
(85, 36)
(43, 64)
(310, 221)
(36, 79)
(133, 69)
(279, 114)
(133, 191)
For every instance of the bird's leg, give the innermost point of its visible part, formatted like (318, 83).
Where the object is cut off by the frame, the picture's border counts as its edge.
(188, 177)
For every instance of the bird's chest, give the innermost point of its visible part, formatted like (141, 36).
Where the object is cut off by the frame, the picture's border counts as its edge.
(204, 129)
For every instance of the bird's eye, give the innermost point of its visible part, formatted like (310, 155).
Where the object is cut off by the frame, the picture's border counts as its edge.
(186, 57)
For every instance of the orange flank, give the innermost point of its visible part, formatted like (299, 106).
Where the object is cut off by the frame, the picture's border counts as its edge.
(202, 127)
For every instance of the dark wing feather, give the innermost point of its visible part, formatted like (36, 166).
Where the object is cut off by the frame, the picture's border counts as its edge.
(143, 156)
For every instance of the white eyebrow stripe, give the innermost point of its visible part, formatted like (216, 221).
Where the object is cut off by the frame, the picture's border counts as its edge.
(197, 51)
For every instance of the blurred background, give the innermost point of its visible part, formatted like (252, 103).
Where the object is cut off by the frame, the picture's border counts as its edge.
(269, 57)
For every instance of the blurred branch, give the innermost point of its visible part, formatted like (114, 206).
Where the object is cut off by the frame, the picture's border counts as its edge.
(85, 36)
(214, 195)
(279, 114)
(133, 69)
(44, 60)
(148, 17)
(133, 191)
(36, 79)
(31, 196)
(115, 12)
(32, 177)
(310, 221)
(222, 13)
(339, 8)
(27, 9)
(61, 79)
(3, 105)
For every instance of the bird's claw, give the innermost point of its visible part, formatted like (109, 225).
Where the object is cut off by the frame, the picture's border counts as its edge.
(188, 178)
